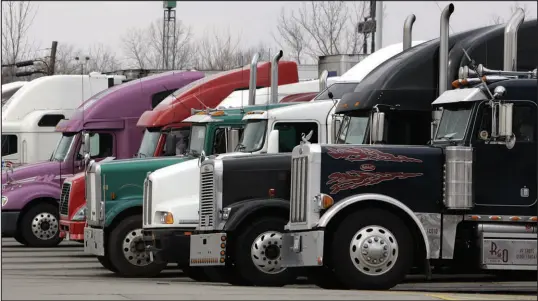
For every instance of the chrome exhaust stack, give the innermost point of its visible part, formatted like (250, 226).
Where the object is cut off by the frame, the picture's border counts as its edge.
(510, 40)
(443, 48)
(274, 77)
(323, 80)
(252, 81)
(408, 31)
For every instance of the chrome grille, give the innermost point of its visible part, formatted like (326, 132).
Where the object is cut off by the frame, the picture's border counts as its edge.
(64, 199)
(147, 201)
(299, 189)
(207, 198)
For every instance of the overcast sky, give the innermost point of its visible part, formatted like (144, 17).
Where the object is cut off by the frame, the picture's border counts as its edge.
(86, 23)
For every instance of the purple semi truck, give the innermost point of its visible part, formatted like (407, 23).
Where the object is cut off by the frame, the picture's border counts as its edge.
(30, 193)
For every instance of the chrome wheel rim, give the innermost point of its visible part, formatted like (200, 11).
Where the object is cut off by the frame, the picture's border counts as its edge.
(45, 226)
(373, 250)
(266, 252)
(134, 248)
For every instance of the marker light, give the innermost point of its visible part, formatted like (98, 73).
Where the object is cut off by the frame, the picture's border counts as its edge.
(326, 201)
(201, 113)
(271, 193)
(218, 113)
(112, 196)
(167, 218)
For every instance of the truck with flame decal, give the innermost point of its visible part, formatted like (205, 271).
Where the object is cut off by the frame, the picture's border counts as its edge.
(241, 226)
(362, 216)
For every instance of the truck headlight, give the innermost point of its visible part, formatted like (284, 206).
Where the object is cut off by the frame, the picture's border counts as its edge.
(4, 200)
(80, 215)
(167, 218)
(225, 213)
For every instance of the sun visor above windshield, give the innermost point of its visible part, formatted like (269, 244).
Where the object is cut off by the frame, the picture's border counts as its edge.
(111, 124)
(460, 95)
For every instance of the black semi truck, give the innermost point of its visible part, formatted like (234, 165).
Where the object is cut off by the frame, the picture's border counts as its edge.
(362, 216)
(252, 194)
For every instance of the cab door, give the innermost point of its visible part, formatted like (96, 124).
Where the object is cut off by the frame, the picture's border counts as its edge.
(506, 178)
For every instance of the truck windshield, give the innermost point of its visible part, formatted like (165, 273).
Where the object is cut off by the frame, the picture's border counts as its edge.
(453, 123)
(353, 130)
(62, 149)
(253, 136)
(148, 144)
(197, 139)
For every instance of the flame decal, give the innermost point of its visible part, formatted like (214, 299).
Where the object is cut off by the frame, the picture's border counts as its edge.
(355, 178)
(354, 154)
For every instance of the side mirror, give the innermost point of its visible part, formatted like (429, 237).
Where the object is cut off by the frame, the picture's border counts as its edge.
(233, 140)
(505, 124)
(436, 118)
(86, 160)
(272, 142)
(86, 143)
(378, 127)
(170, 145)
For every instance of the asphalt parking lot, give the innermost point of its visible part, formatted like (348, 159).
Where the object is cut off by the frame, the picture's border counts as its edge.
(66, 273)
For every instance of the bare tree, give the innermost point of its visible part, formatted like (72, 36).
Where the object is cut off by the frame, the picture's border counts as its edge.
(218, 51)
(17, 17)
(497, 19)
(323, 28)
(180, 47)
(65, 59)
(135, 47)
(144, 47)
(292, 36)
(102, 59)
(244, 56)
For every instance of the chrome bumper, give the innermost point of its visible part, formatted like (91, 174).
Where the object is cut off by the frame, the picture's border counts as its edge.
(208, 249)
(302, 249)
(94, 241)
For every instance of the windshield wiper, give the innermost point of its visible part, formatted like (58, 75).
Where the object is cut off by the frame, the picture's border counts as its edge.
(240, 147)
(446, 137)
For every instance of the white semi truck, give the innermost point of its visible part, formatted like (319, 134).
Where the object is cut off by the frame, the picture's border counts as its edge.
(30, 115)
(263, 95)
(9, 89)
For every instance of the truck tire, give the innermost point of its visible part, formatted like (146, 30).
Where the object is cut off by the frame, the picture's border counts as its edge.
(19, 239)
(106, 263)
(127, 250)
(372, 249)
(257, 255)
(39, 226)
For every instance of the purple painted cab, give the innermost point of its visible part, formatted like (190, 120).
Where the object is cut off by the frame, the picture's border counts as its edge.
(30, 193)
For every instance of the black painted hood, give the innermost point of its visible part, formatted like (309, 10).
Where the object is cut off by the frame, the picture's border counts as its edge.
(251, 177)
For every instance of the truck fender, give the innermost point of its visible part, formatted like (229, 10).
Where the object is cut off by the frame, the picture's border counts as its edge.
(242, 210)
(19, 198)
(122, 206)
(339, 206)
